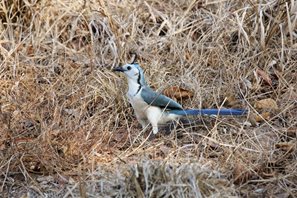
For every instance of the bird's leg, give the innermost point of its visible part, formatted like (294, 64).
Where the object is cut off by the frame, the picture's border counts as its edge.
(143, 123)
(155, 127)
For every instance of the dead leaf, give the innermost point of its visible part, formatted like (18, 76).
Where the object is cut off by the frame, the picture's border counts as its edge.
(242, 173)
(24, 140)
(231, 101)
(263, 116)
(286, 146)
(264, 76)
(72, 64)
(267, 103)
(30, 50)
(3, 145)
(188, 56)
(292, 132)
(178, 93)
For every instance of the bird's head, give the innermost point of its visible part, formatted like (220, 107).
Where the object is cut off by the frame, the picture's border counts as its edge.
(133, 72)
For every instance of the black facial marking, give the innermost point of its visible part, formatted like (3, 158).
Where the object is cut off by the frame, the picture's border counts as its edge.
(138, 81)
(139, 77)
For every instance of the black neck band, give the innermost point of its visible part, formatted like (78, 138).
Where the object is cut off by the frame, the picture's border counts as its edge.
(138, 81)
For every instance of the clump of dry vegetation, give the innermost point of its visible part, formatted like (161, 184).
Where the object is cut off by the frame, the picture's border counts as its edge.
(67, 130)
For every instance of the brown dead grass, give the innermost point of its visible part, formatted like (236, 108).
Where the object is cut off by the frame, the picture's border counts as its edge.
(67, 129)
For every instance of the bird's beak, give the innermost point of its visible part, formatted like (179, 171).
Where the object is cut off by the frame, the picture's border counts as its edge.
(119, 69)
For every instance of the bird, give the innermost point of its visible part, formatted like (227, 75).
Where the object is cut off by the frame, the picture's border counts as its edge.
(151, 107)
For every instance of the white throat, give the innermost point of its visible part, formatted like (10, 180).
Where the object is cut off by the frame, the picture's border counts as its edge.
(133, 87)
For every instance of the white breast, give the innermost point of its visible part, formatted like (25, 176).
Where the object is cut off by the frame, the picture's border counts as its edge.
(139, 105)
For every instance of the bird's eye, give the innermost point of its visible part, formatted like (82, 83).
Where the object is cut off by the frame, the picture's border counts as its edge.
(129, 68)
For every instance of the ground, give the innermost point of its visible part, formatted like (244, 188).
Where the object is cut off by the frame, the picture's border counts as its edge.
(67, 129)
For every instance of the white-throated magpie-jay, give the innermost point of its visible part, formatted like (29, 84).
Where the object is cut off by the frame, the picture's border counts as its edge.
(154, 108)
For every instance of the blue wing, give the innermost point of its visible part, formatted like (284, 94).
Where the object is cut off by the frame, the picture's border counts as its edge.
(209, 112)
(156, 99)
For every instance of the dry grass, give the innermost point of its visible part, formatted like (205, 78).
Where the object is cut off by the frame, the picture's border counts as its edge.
(67, 129)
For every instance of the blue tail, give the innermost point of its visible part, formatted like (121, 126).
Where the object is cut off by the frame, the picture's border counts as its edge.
(209, 112)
